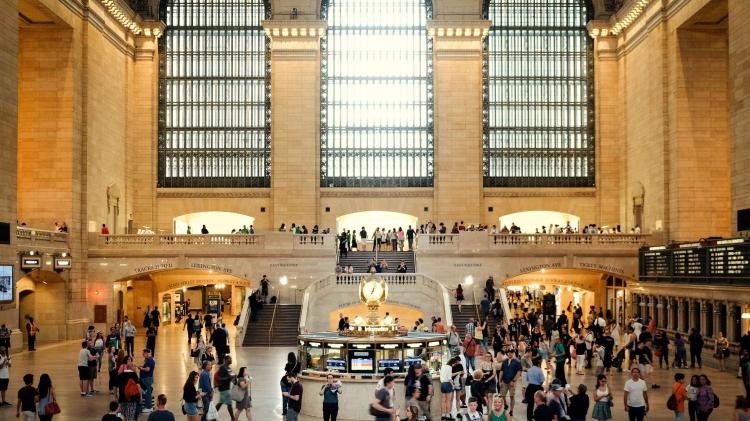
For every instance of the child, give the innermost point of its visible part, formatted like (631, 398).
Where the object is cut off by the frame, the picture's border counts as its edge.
(472, 414)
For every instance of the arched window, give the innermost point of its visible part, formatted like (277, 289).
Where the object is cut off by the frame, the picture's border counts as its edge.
(538, 95)
(376, 94)
(214, 94)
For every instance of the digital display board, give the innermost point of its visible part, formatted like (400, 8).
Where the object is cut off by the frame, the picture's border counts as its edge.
(689, 262)
(394, 364)
(655, 263)
(336, 364)
(361, 361)
(729, 260)
(6, 283)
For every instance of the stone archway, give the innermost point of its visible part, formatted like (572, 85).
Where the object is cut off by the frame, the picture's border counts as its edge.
(41, 295)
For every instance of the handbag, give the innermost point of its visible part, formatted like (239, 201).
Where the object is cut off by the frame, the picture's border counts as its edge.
(236, 392)
(51, 408)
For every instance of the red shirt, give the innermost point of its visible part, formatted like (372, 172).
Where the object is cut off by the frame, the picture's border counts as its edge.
(105, 230)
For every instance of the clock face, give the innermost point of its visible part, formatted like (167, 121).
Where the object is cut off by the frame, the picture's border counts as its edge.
(373, 291)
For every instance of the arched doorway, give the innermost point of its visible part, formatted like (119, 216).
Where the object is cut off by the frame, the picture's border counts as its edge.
(530, 221)
(215, 222)
(41, 296)
(375, 219)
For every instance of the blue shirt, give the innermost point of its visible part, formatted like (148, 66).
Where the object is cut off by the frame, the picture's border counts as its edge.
(510, 369)
(204, 383)
(535, 376)
(150, 364)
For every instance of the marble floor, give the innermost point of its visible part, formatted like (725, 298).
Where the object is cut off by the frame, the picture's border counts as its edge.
(265, 365)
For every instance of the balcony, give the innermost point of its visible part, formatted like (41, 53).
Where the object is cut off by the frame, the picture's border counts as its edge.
(26, 236)
(482, 241)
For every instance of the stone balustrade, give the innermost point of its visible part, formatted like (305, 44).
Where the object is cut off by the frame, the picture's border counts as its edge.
(26, 235)
(480, 240)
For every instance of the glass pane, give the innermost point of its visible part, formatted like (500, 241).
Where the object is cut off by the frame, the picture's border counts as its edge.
(538, 113)
(214, 82)
(376, 94)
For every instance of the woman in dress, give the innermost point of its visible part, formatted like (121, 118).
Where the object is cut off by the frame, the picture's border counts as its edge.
(243, 381)
(489, 375)
(721, 351)
(46, 396)
(602, 400)
(459, 296)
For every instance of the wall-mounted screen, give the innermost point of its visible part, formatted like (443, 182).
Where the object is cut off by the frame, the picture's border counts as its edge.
(6, 283)
(361, 361)
(394, 364)
(336, 364)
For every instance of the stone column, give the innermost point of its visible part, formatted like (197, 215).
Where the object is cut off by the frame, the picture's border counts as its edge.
(739, 96)
(651, 307)
(705, 317)
(716, 319)
(457, 63)
(731, 317)
(694, 309)
(295, 129)
(670, 304)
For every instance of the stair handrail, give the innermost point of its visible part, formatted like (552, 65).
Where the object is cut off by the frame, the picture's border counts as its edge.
(273, 319)
(505, 304)
(476, 305)
(244, 319)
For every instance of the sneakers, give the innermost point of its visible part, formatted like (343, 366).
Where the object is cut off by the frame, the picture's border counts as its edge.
(147, 410)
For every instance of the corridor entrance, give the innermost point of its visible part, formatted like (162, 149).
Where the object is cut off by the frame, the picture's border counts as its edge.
(40, 297)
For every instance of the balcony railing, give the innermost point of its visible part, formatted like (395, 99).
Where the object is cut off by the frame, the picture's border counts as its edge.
(478, 240)
(42, 237)
(128, 241)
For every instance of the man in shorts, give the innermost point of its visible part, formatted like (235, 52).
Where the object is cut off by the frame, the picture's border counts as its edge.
(511, 369)
(84, 356)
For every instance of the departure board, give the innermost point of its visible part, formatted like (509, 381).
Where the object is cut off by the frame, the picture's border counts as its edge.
(689, 262)
(729, 261)
(655, 263)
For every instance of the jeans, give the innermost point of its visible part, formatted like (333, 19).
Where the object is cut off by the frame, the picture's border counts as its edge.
(637, 413)
(291, 414)
(692, 409)
(330, 411)
(284, 400)
(470, 363)
(680, 358)
(695, 355)
(129, 344)
(190, 336)
(147, 383)
(679, 416)
(206, 403)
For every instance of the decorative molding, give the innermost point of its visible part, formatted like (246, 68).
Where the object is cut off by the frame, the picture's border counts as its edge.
(170, 194)
(546, 193)
(619, 22)
(284, 28)
(123, 14)
(375, 193)
(458, 29)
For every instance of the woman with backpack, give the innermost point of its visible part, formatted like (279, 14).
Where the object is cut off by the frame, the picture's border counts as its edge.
(129, 391)
(707, 400)
(46, 400)
(190, 396)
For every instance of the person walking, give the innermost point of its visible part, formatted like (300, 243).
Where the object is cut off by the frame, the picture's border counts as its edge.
(446, 388)
(603, 400)
(161, 413)
(692, 396)
(330, 392)
(112, 414)
(706, 399)
(224, 379)
(26, 405)
(189, 327)
(128, 331)
(147, 380)
(511, 372)
(130, 392)
(151, 338)
(558, 352)
(721, 351)
(243, 380)
(680, 396)
(470, 351)
(696, 348)
(31, 331)
(46, 396)
(190, 396)
(382, 405)
(4, 374)
(535, 377)
(636, 396)
(295, 397)
(204, 385)
(84, 356)
(579, 404)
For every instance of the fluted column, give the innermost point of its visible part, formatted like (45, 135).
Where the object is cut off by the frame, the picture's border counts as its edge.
(705, 317)
(716, 319)
(651, 306)
(694, 313)
(670, 304)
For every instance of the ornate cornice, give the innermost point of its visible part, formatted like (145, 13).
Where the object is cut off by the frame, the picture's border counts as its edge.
(545, 193)
(169, 194)
(618, 23)
(375, 193)
(458, 28)
(284, 28)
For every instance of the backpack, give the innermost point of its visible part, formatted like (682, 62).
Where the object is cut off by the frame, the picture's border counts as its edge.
(131, 390)
(672, 402)
(716, 401)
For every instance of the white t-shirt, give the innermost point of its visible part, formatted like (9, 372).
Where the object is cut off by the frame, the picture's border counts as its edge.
(445, 373)
(83, 357)
(637, 327)
(476, 416)
(636, 390)
(4, 371)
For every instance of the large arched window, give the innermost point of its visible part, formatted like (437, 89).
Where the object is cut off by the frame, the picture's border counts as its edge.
(214, 94)
(376, 94)
(538, 94)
